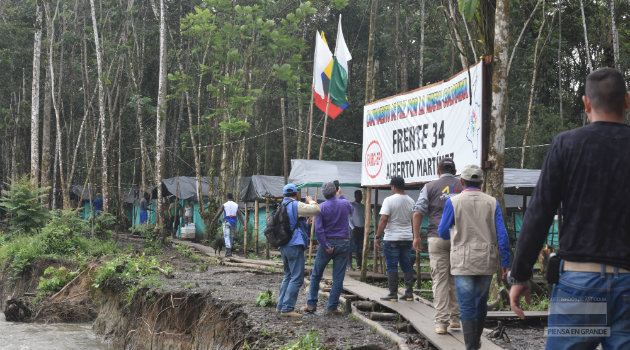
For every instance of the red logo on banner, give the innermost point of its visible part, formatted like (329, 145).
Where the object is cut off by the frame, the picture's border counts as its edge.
(373, 159)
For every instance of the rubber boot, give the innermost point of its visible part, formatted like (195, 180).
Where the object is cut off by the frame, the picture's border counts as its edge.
(408, 296)
(479, 330)
(469, 329)
(228, 252)
(392, 284)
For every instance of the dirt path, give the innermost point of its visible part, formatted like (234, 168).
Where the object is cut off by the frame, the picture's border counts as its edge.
(240, 286)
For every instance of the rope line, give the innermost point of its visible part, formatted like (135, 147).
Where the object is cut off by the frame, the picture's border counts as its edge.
(532, 146)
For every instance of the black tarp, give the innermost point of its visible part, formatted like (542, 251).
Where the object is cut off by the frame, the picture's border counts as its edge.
(185, 187)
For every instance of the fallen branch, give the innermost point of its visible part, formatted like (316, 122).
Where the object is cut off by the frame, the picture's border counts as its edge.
(161, 270)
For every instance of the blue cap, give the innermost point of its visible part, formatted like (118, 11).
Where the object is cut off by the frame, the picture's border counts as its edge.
(289, 189)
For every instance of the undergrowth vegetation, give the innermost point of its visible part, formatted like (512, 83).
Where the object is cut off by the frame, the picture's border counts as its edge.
(127, 273)
(64, 237)
(53, 280)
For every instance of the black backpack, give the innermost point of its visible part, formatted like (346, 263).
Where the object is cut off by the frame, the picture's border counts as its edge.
(278, 231)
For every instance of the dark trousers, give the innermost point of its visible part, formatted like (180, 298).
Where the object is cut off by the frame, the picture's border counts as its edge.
(357, 238)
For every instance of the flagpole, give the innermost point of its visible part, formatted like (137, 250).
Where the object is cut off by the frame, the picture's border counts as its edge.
(321, 147)
(310, 128)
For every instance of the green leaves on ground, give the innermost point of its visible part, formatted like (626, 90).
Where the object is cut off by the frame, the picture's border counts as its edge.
(265, 299)
(308, 341)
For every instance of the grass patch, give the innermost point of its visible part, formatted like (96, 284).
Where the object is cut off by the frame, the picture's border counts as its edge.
(308, 341)
(187, 252)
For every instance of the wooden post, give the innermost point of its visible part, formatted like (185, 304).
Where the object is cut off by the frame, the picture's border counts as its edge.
(284, 143)
(376, 255)
(310, 244)
(366, 232)
(256, 226)
(245, 231)
(267, 220)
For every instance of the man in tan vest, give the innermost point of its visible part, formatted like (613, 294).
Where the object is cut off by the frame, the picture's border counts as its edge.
(431, 204)
(473, 222)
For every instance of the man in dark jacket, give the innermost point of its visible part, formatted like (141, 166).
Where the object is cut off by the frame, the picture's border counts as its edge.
(587, 175)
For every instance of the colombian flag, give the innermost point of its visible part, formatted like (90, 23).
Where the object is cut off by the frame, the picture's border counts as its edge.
(324, 63)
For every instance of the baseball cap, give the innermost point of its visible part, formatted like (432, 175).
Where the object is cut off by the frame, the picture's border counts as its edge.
(446, 165)
(289, 189)
(472, 173)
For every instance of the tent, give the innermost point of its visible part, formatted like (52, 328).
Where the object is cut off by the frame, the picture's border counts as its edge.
(89, 194)
(314, 173)
(184, 188)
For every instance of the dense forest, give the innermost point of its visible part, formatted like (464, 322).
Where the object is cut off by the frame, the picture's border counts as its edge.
(125, 93)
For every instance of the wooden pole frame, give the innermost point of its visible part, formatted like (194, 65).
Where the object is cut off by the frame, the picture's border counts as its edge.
(245, 230)
(366, 232)
(256, 226)
(267, 220)
(310, 243)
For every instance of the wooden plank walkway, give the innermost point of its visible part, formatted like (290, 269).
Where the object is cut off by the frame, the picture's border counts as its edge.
(419, 315)
(511, 314)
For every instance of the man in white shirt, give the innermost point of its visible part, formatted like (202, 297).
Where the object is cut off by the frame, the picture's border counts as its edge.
(230, 215)
(395, 223)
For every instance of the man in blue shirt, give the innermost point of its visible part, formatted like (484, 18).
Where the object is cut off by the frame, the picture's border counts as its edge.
(293, 252)
(333, 237)
(97, 204)
(473, 222)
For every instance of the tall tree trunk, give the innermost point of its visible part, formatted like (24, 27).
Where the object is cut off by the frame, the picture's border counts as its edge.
(532, 87)
(160, 120)
(396, 46)
(421, 59)
(35, 96)
(586, 47)
(458, 38)
(369, 72)
(285, 164)
(496, 146)
(521, 35)
(45, 168)
(405, 53)
(559, 60)
(101, 109)
(58, 136)
(300, 121)
(615, 33)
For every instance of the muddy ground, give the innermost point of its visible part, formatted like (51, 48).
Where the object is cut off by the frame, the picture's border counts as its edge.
(240, 286)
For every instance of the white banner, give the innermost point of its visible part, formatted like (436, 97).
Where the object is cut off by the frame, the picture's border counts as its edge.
(407, 135)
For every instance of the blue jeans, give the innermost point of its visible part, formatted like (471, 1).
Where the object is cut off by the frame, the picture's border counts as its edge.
(228, 234)
(586, 300)
(398, 252)
(293, 262)
(340, 260)
(143, 216)
(472, 296)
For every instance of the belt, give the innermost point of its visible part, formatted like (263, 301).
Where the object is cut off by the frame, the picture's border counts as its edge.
(590, 267)
(339, 239)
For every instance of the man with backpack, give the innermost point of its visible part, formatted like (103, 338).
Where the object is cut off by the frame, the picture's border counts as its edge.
(333, 237)
(293, 252)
